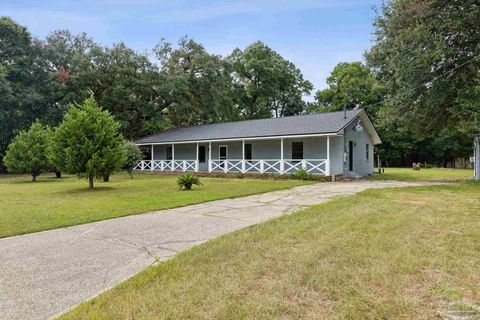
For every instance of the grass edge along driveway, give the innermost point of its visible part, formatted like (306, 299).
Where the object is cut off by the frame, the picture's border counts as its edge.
(391, 253)
(52, 203)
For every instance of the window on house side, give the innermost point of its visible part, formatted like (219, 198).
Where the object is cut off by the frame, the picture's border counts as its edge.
(367, 151)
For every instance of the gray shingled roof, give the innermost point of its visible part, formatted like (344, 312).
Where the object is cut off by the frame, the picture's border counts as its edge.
(317, 123)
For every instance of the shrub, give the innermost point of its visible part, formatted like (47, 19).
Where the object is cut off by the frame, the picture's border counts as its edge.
(90, 142)
(187, 180)
(133, 154)
(28, 151)
(302, 174)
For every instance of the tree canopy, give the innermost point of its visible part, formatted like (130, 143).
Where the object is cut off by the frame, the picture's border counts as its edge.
(420, 82)
(266, 84)
(350, 85)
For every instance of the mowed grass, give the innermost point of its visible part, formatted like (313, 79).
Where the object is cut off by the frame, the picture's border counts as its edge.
(409, 253)
(52, 203)
(425, 174)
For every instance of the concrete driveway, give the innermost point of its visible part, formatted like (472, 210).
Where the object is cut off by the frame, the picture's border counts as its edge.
(44, 274)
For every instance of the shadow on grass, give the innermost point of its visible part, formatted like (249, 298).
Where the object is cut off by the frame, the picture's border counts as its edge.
(86, 190)
(39, 181)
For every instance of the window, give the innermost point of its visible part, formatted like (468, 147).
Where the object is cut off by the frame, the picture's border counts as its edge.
(367, 151)
(248, 152)
(169, 153)
(201, 154)
(297, 150)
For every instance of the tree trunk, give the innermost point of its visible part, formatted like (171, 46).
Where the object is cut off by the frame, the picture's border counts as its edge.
(58, 174)
(106, 178)
(90, 182)
(34, 178)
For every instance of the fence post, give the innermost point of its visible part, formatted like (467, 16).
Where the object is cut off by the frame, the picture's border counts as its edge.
(184, 165)
(262, 166)
(225, 166)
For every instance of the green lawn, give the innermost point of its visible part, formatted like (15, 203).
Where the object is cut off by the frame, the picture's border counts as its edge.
(410, 253)
(52, 203)
(425, 174)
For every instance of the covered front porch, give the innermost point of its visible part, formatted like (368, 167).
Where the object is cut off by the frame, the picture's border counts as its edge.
(284, 155)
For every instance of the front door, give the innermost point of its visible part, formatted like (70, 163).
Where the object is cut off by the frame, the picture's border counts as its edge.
(222, 154)
(350, 156)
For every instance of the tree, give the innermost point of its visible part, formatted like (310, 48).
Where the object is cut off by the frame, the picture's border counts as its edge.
(20, 80)
(133, 154)
(198, 85)
(55, 154)
(91, 141)
(427, 52)
(266, 84)
(27, 152)
(350, 85)
(70, 63)
(129, 86)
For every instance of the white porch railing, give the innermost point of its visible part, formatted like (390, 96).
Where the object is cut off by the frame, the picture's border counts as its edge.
(315, 166)
(167, 165)
(276, 166)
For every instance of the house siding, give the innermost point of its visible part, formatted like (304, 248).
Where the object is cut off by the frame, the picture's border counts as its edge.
(336, 155)
(361, 165)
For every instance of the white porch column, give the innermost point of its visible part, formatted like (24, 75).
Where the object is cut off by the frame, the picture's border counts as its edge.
(243, 156)
(327, 164)
(282, 162)
(173, 157)
(152, 163)
(196, 162)
(209, 157)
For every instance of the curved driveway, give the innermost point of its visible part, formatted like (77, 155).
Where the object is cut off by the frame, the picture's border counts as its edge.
(44, 274)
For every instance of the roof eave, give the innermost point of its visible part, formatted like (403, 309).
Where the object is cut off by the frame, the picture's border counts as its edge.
(240, 138)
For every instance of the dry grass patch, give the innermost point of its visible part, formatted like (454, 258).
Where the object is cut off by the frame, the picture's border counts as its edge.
(375, 255)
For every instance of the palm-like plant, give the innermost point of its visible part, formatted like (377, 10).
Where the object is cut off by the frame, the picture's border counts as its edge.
(187, 180)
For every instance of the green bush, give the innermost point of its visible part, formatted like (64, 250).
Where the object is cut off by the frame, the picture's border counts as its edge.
(301, 174)
(187, 180)
(28, 151)
(133, 154)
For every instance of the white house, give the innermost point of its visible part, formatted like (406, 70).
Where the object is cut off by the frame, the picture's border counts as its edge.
(333, 143)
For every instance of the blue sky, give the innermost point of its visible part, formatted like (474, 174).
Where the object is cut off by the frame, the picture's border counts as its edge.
(314, 35)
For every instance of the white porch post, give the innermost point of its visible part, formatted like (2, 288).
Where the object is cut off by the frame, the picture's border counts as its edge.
(327, 164)
(196, 162)
(152, 162)
(209, 157)
(243, 156)
(282, 163)
(173, 157)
